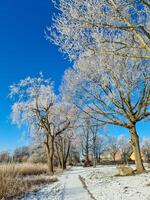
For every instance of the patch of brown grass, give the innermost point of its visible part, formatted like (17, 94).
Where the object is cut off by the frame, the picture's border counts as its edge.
(10, 185)
(25, 169)
(16, 180)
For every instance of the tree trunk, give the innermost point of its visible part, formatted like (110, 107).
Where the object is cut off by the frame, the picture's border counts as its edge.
(94, 152)
(136, 150)
(99, 157)
(114, 157)
(66, 155)
(50, 154)
(58, 155)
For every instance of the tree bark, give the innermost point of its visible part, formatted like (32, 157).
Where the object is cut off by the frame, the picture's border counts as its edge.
(94, 152)
(66, 155)
(50, 155)
(136, 150)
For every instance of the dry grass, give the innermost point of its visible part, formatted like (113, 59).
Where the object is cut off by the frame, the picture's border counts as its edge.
(10, 185)
(31, 169)
(17, 179)
(25, 169)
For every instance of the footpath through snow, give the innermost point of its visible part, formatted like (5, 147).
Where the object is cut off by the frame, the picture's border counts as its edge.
(69, 187)
(73, 189)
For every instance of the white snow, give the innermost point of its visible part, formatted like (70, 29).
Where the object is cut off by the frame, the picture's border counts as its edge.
(101, 182)
(104, 185)
(50, 192)
(73, 187)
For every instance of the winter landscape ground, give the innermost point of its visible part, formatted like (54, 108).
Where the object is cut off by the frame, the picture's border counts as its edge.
(75, 100)
(102, 184)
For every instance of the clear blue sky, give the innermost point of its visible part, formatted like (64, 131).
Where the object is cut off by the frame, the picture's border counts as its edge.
(24, 51)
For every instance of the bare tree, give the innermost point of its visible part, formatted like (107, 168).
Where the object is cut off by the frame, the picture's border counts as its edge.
(116, 92)
(99, 36)
(146, 148)
(86, 144)
(37, 106)
(101, 146)
(125, 148)
(94, 132)
(63, 145)
(5, 157)
(113, 147)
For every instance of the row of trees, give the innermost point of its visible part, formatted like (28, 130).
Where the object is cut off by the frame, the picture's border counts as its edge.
(92, 149)
(109, 42)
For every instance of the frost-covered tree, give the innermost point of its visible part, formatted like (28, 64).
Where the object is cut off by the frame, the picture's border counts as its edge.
(99, 35)
(145, 145)
(63, 145)
(113, 147)
(98, 25)
(86, 142)
(37, 106)
(101, 146)
(116, 92)
(124, 147)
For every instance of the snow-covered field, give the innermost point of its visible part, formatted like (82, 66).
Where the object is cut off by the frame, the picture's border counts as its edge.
(102, 182)
(105, 185)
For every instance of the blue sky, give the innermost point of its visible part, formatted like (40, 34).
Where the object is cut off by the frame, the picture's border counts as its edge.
(24, 51)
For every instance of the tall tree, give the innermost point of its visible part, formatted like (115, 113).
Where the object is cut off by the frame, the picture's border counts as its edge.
(115, 93)
(38, 107)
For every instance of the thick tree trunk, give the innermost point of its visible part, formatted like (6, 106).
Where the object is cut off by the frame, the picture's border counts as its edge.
(136, 150)
(66, 155)
(50, 155)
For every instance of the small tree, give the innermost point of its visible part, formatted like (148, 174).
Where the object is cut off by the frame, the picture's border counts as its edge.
(5, 157)
(21, 154)
(101, 146)
(86, 144)
(146, 148)
(125, 148)
(113, 147)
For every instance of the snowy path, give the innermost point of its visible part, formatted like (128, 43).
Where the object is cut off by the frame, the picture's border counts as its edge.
(69, 187)
(73, 187)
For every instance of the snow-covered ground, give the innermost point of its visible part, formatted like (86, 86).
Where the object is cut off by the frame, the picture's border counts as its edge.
(53, 191)
(105, 185)
(101, 182)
